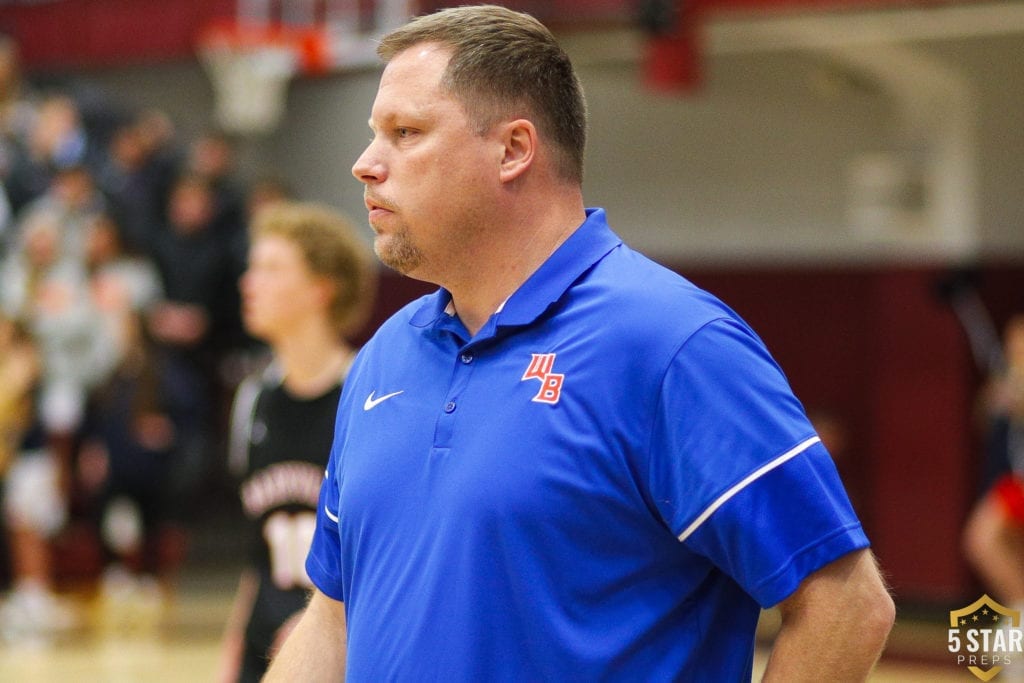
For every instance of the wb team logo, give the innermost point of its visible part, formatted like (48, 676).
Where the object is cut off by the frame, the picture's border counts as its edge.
(985, 637)
(542, 367)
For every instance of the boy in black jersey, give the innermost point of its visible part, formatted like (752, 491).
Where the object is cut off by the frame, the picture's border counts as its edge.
(308, 284)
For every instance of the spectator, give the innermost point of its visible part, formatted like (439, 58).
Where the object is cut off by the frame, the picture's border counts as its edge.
(121, 281)
(56, 139)
(71, 201)
(212, 157)
(131, 180)
(192, 262)
(138, 425)
(994, 534)
(33, 507)
(44, 285)
(187, 325)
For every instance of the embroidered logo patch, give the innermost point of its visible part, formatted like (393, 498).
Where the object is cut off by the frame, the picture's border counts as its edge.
(541, 366)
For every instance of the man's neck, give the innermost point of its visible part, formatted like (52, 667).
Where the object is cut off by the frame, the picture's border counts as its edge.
(312, 358)
(506, 261)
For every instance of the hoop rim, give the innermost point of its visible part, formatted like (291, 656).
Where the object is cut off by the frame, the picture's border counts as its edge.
(308, 43)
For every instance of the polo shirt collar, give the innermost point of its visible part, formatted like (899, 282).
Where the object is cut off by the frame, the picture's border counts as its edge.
(587, 245)
(584, 247)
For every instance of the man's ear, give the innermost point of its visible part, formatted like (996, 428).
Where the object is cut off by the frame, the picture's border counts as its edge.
(520, 142)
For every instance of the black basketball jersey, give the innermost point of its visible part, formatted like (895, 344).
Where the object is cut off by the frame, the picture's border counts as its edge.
(280, 446)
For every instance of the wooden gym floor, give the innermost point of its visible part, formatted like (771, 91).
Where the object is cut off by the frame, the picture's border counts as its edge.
(137, 644)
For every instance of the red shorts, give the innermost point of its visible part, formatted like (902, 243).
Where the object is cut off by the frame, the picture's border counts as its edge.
(1008, 493)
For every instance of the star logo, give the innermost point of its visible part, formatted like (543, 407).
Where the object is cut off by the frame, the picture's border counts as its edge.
(982, 640)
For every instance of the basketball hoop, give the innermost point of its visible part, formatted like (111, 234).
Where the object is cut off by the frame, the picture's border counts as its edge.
(250, 68)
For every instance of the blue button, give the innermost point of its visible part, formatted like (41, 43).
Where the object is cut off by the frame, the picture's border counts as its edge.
(449, 407)
(466, 358)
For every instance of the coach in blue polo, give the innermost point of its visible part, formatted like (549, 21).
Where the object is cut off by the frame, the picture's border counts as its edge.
(568, 463)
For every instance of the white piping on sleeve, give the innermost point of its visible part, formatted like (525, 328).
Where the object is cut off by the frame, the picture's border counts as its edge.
(327, 511)
(749, 479)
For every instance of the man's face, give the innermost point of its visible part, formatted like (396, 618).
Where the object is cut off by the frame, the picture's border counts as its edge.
(191, 208)
(428, 174)
(278, 289)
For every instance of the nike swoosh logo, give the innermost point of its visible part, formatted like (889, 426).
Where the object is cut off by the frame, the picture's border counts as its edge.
(372, 402)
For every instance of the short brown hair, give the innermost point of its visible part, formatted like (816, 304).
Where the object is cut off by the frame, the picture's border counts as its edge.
(330, 248)
(505, 63)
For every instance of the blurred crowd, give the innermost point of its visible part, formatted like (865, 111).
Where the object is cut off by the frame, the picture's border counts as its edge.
(120, 337)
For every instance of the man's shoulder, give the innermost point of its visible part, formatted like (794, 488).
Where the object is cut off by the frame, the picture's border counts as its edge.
(649, 297)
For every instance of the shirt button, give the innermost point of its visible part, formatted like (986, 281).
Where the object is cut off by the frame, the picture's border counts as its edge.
(466, 358)
(449, 407)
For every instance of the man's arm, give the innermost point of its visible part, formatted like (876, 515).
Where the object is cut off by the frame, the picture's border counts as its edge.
(837, 621)
(233, 643)
(315, 650)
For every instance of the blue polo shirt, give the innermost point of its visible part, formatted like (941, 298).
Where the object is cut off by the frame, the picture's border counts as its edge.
(606, 482)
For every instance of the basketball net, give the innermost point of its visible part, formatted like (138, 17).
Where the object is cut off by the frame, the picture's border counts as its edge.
(250, 68)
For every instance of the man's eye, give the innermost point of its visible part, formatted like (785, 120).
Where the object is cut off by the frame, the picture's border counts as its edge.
(403, 132)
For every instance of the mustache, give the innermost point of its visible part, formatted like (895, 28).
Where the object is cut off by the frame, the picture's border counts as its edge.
(374, 201)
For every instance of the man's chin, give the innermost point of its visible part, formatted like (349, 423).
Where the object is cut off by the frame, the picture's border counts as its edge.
(397, 255)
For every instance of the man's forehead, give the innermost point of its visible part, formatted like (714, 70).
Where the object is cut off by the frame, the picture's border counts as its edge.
(411, 82)
(428, 56)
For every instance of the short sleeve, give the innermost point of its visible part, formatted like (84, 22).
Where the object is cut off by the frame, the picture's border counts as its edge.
(323, 564)
(736, 469)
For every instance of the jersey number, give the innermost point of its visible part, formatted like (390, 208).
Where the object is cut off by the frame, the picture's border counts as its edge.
(289, 537)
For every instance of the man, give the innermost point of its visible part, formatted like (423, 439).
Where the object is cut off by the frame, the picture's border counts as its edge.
(568, 463)
(308, 285)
